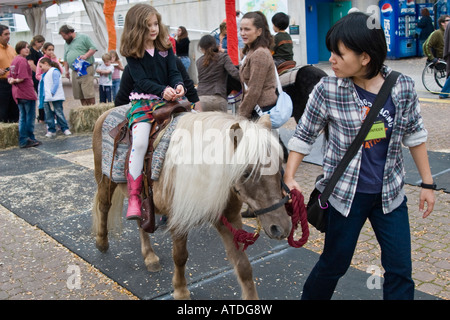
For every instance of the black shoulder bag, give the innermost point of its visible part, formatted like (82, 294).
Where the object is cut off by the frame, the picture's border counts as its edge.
(317, 205)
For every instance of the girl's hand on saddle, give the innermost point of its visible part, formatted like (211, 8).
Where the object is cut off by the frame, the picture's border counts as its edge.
(169, 94)
(179, 92)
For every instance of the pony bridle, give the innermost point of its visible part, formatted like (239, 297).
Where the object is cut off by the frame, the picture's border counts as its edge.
(275, 206)
(296, 210)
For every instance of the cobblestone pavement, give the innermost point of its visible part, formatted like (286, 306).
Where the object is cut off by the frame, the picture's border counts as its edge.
(35, 266)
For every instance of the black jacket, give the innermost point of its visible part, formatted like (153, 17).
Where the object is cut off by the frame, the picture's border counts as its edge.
(127, 85)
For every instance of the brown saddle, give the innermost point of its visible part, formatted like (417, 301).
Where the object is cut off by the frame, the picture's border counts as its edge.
(122, 134)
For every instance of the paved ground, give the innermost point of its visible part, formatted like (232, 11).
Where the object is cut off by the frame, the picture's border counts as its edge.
(35, 266)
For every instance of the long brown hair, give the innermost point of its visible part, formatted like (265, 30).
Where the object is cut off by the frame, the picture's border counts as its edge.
(184, 33)
(209, 45)
(135, 31)
(260, 22)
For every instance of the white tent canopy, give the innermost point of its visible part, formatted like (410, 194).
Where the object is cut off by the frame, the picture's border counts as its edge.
(17, 6)
(34, 12)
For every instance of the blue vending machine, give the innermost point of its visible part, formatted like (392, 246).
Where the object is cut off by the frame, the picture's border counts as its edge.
(419, 7)
(398, 20)
(441, 9)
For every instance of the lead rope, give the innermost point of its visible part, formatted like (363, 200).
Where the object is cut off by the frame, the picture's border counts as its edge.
(240, 235)
(296, 210)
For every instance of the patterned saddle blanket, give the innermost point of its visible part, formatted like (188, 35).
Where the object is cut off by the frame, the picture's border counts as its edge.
(288, 77)
(117, 172)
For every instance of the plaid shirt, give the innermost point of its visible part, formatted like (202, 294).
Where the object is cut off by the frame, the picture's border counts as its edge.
(335, 101)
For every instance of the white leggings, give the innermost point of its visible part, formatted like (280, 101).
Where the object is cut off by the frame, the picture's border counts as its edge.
(141, 132)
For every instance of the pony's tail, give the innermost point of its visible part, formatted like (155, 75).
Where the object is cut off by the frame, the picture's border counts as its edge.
(114, 217)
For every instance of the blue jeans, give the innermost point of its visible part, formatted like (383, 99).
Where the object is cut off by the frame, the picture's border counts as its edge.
(115, 88)
(445, 92)
(186, 62)
(393, 235)
(105, 93)
(27, 114)
(58, 112)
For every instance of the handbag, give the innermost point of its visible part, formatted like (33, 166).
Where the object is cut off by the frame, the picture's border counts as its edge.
(282, 111)
(317, 207)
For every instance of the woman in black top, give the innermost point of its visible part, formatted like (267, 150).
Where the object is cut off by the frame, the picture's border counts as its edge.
(183, 47)
(425, 24)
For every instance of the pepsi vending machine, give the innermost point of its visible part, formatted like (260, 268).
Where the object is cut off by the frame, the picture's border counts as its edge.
(398, 20)
(441, 9)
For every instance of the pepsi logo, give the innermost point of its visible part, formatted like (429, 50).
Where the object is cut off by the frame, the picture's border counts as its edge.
(387, 9)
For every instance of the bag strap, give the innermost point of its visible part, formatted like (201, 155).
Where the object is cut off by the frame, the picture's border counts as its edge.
(279, 87)
(379, 102)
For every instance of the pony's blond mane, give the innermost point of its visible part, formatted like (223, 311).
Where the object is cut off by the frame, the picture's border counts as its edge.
(199, 187)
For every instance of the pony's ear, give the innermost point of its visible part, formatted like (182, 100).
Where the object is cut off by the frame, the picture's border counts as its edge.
(265, 121)
(236, 134)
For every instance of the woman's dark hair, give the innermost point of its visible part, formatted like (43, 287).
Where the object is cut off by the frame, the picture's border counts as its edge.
(184, 33)
(209, 45)
(37, 38)
(260, 22)
(425, 12)
(355, 33)
(281, 20)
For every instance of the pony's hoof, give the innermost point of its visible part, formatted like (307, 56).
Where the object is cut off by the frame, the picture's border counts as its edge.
(102, 247)
(153, 266)
(182, 294)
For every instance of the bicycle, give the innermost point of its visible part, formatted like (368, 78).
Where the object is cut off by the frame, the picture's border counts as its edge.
(434, 76)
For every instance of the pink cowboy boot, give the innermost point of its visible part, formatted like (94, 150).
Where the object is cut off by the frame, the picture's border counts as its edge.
(134, 197)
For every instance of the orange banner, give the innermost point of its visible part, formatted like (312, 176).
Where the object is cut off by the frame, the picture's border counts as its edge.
(109, 7)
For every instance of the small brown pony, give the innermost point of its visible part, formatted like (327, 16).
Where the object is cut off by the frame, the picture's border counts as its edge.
(214, 163)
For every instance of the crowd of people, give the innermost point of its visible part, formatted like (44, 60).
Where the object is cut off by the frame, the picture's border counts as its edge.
(154, 75)
(214, 69)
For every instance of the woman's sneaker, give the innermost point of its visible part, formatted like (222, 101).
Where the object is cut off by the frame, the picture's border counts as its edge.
(50, 134)
(67, 132)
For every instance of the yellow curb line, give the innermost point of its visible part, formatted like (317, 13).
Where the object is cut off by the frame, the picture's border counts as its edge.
(434, 100)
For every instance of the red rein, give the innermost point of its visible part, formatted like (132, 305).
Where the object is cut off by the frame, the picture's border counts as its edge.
(296, 210)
